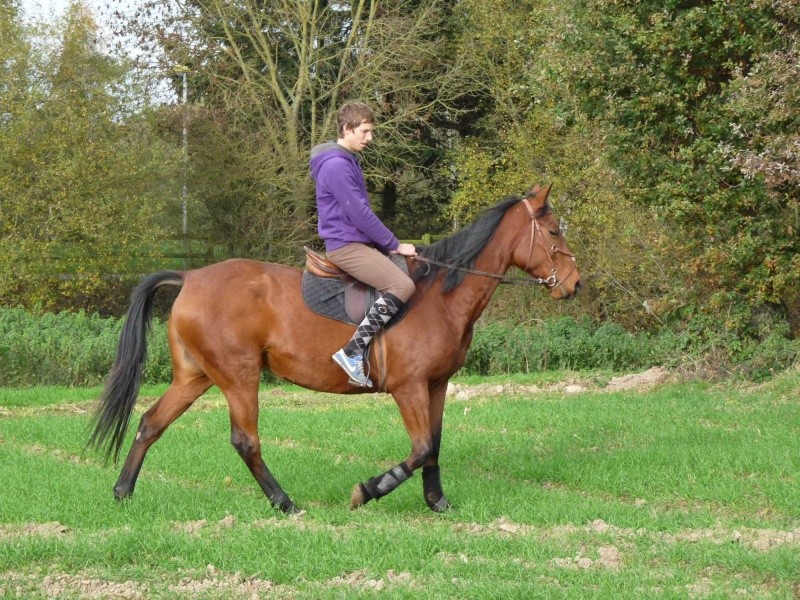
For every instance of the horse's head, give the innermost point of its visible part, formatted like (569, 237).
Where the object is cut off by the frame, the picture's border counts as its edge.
(542, 251)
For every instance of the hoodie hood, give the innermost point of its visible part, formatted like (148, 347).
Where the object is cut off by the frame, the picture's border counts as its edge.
(320, 148)
(323, 152)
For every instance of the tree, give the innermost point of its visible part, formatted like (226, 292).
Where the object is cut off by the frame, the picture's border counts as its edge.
(266, 80)
(663, 77)
(83, 176)
(532, 133)
(764, 146)
(654, 114)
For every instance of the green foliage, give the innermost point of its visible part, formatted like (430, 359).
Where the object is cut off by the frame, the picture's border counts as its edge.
(671, 130)
(669, 75)
(663, 79)
(69, 348)
(567, 344)
(39, 348)
(83, 173)
(562, 344)
(536, 135)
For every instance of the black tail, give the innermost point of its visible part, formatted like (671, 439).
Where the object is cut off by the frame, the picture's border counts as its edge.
(122, 387)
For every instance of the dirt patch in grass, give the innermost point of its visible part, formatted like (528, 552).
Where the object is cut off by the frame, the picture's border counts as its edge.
(501, 526)
(360, 580)
(209, 584)
(71, 408)
(609, 557)
(60, 585)
(762, 540)
(50, 529)
(229, 585)
(295, 521)
(637, 382)
(195, 527)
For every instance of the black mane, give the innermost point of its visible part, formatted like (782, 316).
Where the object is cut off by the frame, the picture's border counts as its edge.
(462, 248)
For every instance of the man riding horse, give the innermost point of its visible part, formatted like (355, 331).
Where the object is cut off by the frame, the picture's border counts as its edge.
(355, 239)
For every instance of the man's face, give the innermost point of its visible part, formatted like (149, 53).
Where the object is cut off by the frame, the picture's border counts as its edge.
(357, 139)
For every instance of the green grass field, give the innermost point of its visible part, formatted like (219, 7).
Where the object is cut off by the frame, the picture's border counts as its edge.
(685, 490)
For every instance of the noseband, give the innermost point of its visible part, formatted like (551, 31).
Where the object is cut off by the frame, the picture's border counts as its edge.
(551, 281)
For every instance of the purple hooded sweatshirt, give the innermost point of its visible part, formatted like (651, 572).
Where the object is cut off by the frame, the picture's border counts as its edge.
(345, 215)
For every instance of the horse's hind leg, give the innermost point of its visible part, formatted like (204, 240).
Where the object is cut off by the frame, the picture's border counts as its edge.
(178, 397)
(243, 404)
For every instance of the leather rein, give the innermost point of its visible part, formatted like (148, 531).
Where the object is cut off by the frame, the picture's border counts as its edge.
(551, 281)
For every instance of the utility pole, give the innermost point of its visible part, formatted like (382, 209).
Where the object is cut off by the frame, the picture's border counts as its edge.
(185, 167)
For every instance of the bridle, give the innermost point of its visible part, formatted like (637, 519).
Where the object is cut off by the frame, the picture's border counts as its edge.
(552, 281)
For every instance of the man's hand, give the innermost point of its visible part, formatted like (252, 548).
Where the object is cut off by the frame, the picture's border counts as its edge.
(405, 250)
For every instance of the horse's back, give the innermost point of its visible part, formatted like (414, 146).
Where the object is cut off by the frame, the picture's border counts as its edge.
(233, 296)
(241, 271)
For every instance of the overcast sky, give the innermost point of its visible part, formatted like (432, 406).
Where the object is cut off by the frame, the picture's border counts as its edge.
(53, 8)
(101, 10)
(49, 9)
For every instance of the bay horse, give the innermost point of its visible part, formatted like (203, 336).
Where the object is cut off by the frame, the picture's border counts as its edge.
(233, 319)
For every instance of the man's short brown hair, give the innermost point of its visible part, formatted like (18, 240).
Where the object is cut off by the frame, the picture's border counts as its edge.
(353, 114)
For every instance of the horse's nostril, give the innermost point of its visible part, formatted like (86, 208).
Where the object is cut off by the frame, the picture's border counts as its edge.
(578, 287)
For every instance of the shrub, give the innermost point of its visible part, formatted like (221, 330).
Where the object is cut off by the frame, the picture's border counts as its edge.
(569, 344)
(561, 344)
(79, 349)
(69, 348)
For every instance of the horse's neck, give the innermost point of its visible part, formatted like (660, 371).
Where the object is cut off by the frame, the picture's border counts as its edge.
(467, 302)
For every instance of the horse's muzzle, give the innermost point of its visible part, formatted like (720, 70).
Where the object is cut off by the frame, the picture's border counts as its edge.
(565, 293)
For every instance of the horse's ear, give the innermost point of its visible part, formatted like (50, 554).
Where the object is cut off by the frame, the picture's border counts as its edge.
(536, 190)
(533, 191)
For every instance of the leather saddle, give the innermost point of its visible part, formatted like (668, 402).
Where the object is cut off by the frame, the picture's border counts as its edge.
(330, 292)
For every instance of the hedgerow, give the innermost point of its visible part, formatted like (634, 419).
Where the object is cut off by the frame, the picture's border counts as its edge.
(78, 349)
(69, 348)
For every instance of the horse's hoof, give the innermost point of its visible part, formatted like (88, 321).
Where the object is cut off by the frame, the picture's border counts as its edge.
(440, 506)
(291, 509)
(357, 497)
(282, 502)
(122, 493)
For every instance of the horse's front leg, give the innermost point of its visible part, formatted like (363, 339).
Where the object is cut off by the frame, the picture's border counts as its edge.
(413, 402)
(431, 479)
